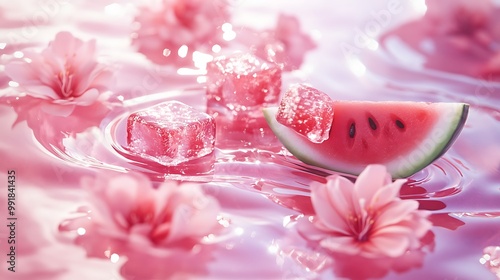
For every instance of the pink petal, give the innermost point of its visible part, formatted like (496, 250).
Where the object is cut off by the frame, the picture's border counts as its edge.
(370, 181)
(21, 72)
(341, 244)
(180, 223)
(189, 212)
(419, 223)
(203, 221)
(26, 75)
(392, 242)
(85, 54)
(47, 69)
(310, 231)
(386, 194)
(395, 213)
(40, 91)
(64, 43)
(35, 77)
(103, 78)
(340, 192)
(121, 192)
(96, 76)
(87, 98)
(58, 110)
(164, 200)
(322, 198)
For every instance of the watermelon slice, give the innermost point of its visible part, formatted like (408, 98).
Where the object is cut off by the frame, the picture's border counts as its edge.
(404, 136)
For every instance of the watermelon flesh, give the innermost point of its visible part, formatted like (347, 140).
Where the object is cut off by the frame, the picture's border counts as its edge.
(295, 110)
(404, 136)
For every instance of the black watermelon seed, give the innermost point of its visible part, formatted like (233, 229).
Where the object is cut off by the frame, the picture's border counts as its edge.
(352, 130)
(373, 125)
(400, 124)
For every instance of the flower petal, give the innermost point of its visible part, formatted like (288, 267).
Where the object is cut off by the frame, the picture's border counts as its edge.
(189, 211)
(341, 244)
(25, 74)
(20, 71)
(58, 110)
(87, 98)
(340, 192)
(370, 181)
(40, 91)
(386, 194)
(392, 242)
(395, 213)
(64, 43)
(310, 230)
(323, 200)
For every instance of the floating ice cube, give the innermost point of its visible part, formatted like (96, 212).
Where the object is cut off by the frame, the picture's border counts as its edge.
(170, 133)
(242, 82)
(308, 111)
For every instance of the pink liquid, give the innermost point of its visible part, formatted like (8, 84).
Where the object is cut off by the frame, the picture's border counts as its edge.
(261, 188)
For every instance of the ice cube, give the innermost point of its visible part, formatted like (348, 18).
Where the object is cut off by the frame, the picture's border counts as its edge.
(242, 82)
(308, 111)
(170, 133)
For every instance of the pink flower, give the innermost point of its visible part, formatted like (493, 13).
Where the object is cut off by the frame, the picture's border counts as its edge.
(491, 259)
(128, 207)
(366, 218)
(461, 18)
(171, 24)
(64, 75)
(491, 68)
(286, 44)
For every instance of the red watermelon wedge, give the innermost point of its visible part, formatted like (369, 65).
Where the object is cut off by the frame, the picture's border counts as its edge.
(404, 136)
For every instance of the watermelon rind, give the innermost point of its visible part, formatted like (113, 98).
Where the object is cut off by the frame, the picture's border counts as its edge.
(452, 118)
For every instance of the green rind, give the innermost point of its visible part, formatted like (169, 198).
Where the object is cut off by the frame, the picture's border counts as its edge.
(455, 127)
(403, 168)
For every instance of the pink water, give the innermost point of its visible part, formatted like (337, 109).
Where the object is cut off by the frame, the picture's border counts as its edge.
(261, 188)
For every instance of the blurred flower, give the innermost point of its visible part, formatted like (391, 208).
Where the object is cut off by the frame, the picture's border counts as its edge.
(366, 218)
(286, 45)
(168, 30)
(491, 259)
(64, 75)
(128, 207)
(491, 69)
(461, 17)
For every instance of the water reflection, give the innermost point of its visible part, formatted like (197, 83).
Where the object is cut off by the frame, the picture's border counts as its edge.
(177, 264)
(314, 262)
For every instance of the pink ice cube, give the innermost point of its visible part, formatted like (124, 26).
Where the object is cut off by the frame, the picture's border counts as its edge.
(307, 111)
(242, 82)
(170, 133)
